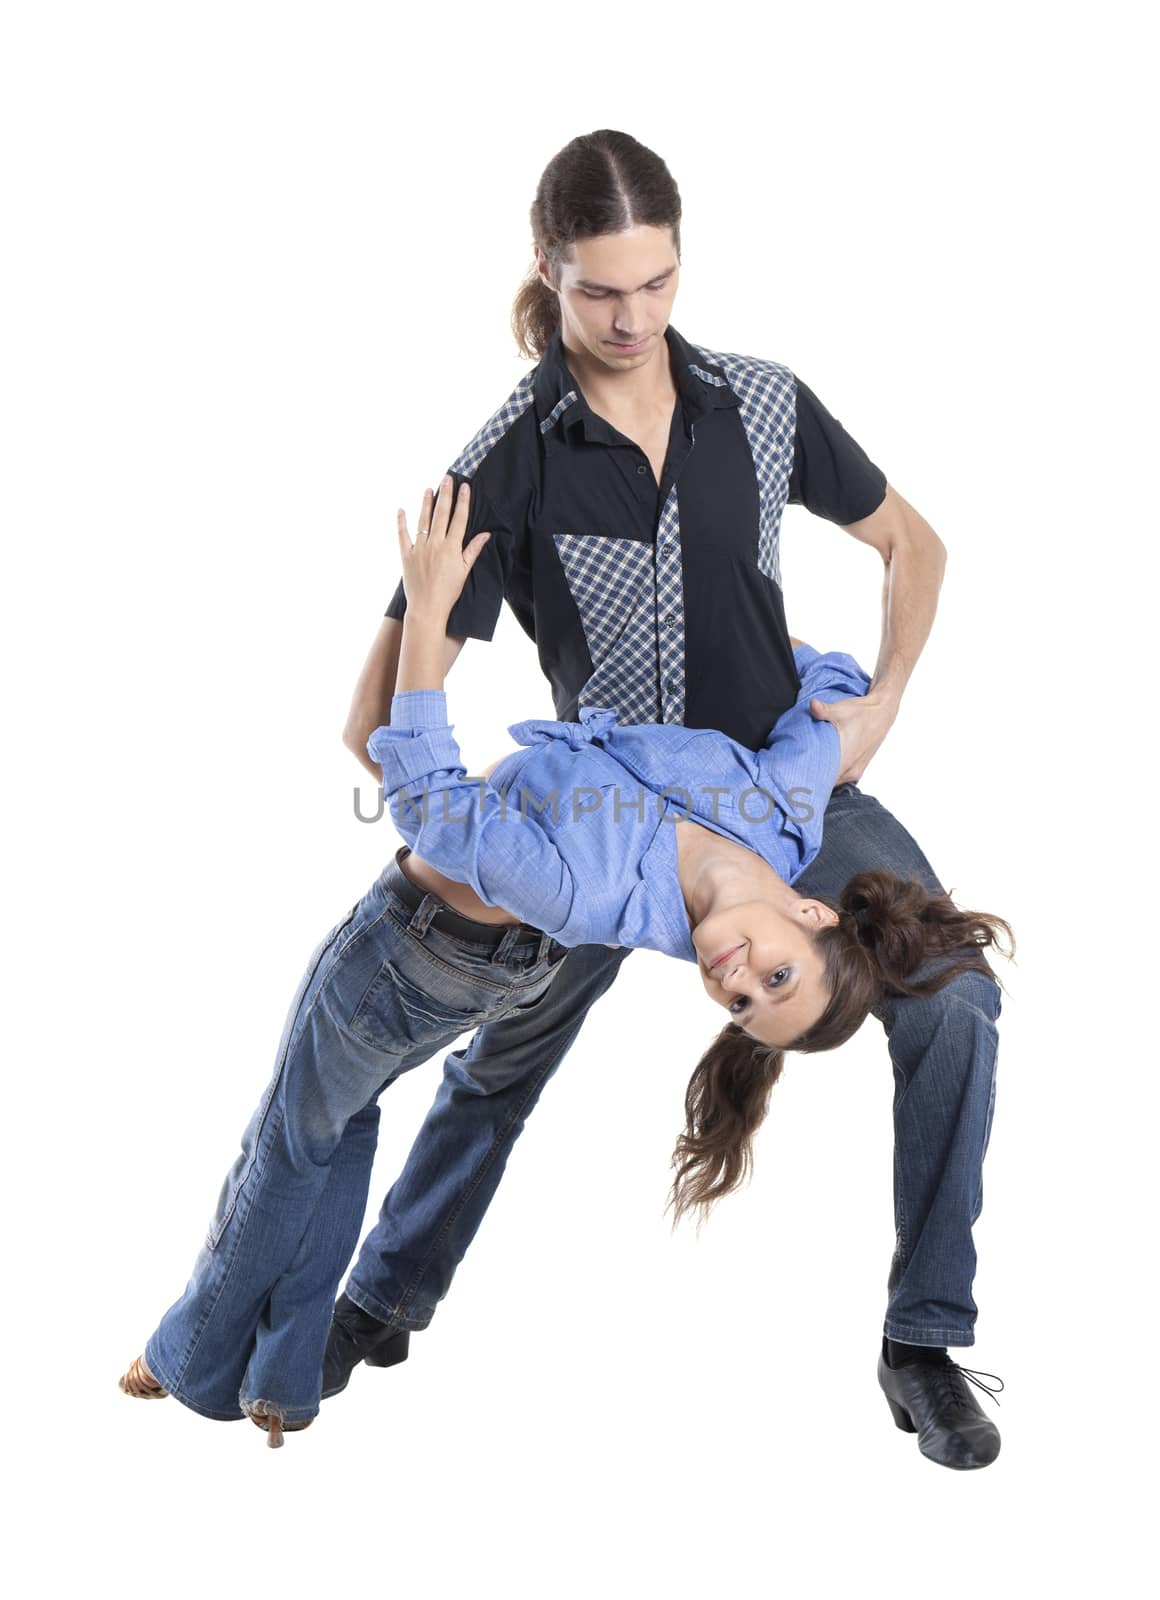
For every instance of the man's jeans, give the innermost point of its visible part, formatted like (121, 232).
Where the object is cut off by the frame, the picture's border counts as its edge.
(382, 993)
(943, 1051)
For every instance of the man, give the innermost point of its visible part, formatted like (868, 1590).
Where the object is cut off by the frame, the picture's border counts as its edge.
(633, 484)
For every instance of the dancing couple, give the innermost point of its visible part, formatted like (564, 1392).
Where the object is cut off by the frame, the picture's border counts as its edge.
(697, 794)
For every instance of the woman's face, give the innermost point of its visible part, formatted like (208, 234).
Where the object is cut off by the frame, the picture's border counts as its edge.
(617, 290)
(761, 965)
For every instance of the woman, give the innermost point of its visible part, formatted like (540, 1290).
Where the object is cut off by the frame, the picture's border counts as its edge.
(474, 925)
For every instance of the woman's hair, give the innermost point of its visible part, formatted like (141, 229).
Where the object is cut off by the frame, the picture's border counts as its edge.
(602, 182)
(887, 927)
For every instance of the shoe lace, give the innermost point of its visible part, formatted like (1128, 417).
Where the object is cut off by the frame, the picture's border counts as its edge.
(952, 1375)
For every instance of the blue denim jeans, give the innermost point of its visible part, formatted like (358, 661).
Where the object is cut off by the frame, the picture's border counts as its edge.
(943, 1050)
(382, 993)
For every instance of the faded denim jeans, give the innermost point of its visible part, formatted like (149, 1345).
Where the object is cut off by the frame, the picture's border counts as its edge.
(382, 993)
(943, 1051)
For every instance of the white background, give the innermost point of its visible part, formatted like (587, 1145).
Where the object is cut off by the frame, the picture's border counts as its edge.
(259, 265)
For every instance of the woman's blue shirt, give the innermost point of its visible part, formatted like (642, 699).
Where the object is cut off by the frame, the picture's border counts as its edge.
(574, 832)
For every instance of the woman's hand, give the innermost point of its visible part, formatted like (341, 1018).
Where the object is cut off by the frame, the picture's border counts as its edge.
(436, 565)
(435, 569)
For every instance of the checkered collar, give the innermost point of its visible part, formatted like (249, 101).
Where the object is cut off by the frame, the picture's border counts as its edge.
(561, 407)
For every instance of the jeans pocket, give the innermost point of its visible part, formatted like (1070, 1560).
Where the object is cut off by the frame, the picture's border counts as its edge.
(398, 1013)
(530, 996)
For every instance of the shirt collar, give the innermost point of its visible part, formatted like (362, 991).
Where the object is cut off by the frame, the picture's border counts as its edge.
(561, 408)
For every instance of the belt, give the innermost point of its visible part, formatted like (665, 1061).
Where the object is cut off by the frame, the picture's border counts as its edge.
(454, 923)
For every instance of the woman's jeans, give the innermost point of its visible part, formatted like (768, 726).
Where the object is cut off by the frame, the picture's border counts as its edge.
(943, 1049)
(381, 994)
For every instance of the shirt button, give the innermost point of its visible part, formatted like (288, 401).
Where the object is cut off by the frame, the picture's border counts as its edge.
(640, 471)
(671, 684)
(666, 548)
(670, 620)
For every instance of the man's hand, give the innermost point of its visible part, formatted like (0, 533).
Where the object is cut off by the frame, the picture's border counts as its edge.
(862, 721)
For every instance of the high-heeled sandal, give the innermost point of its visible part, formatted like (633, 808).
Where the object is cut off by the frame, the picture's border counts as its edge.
(140, 1383)
(275, 1427)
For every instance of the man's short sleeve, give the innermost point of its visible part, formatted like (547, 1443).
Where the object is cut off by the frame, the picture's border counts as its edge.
(832, 475)
(476, 612)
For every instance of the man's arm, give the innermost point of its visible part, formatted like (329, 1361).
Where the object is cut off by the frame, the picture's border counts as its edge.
(834, 478)
(370, 706)
(915, 559)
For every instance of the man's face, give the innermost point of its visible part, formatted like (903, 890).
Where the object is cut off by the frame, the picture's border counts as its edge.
(617, 290)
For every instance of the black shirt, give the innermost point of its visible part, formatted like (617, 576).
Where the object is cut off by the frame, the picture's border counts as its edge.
(661, 602)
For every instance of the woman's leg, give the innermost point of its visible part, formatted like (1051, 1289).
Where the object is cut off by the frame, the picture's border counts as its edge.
(251, 1325)
(944, 1051)
(284, 1372)
(202, 1347)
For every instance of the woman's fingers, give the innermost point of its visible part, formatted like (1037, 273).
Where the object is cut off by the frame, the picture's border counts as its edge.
(442, 514)
(471, 553)
(424, 523)
(438, 525)
(451, 511)
(459, 521)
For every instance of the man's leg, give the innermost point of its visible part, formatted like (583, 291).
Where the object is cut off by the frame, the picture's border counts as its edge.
(943, 1049)
(436, 1205)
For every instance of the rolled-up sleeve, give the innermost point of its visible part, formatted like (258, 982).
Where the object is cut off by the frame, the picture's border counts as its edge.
(800, 761)
(465, 826)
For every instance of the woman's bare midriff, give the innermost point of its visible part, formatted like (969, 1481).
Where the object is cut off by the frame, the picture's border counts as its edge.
(459, 896)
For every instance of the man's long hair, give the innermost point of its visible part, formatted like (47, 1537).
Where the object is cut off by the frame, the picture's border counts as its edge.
(602, 182)
(888, 928)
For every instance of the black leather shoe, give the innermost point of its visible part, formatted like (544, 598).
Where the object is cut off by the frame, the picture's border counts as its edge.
(355, 1336)
(931, 1398)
